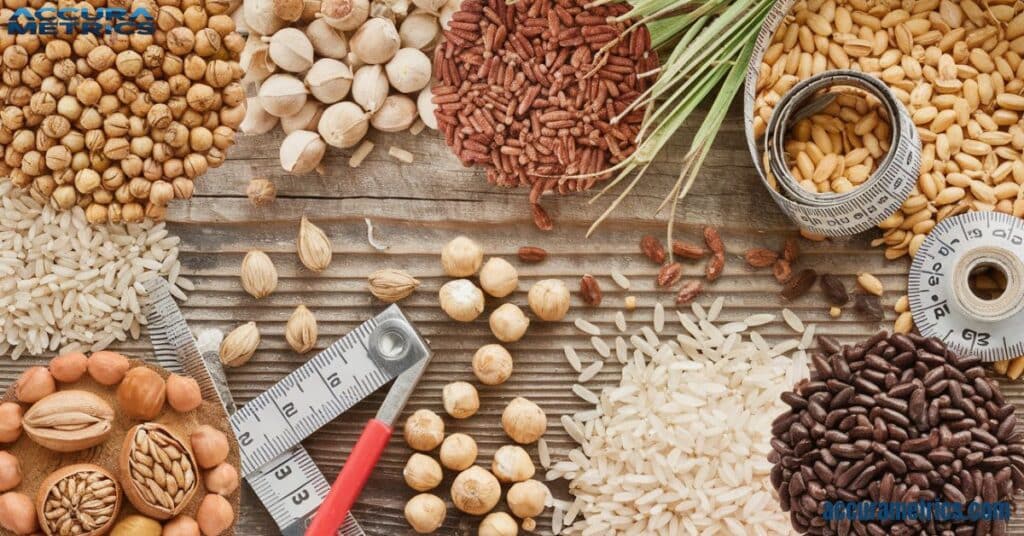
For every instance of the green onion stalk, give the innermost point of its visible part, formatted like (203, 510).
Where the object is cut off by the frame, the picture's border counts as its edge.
(704, 45)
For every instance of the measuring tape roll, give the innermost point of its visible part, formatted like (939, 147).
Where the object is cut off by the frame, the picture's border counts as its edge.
(941, 299)
(833, 214)
(864, 207)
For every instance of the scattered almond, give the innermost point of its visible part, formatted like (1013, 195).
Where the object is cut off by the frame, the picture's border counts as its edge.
(652, 249)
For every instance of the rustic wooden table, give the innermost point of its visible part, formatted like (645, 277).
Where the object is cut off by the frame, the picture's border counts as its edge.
(416, 208)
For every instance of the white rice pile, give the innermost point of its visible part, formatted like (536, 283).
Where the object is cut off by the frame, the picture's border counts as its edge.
(66, 285)
(680, 446)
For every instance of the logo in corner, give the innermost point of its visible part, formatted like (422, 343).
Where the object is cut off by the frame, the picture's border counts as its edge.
(49, 20)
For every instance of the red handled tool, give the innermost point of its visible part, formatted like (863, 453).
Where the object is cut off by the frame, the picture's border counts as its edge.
(364, 455)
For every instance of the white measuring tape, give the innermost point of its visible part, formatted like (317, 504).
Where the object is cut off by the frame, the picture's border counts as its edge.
(270, 428)
(941, 300)
(829, 214)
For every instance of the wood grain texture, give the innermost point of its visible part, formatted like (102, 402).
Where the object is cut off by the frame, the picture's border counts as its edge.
(417, 208)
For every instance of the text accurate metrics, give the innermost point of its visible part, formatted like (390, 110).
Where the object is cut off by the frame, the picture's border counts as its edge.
(942, 303)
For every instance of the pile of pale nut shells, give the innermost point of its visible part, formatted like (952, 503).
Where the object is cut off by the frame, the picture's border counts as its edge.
(327, 72)
(121, 124)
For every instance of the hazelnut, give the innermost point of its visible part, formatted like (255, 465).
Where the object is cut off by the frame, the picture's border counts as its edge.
(210, 446)
(475, 491)
(107, 368)
(222, 480)
(425, 513)
(215, 515)
(461, 300)
(34, 384)
(549, 299)
(461, 257)
(460, 400)
(10, 421)
(422, 473)
(492, 364)
(508, 323)
(498, 524)
(524, 421)
(142, 393)
(183, 393)
(458, 452)
(423, 430)
(69, 367)
(527, 499)
(498, 278)
(512, 464)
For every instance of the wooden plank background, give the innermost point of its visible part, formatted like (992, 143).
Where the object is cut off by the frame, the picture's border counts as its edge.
(416, 208)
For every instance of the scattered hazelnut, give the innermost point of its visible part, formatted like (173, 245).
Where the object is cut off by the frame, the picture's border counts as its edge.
(498, 278)
(475, 491)
(527, 499)
(461, 300)
(107, 368)
(261, 192)
(183, 393)
(69, 368)
(181, 526)
(425, 513)
(215, 515)
(524, 421)
(10, 471)
(498, 524)
(424, 430)
(34, 384)
(422, 473)
(222, 480)
(142, 393)
(458, 452)
(460, 400)
(18, 513)
(492, 364)
(549, 299)
(210, 446)
(508, 323)
(10, 422)
(512, 464)
(461, 257)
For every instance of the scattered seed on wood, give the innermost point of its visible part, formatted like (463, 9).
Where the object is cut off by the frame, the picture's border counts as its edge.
(870, 283)
(716, 308)
(417, 127)
(659, 317)
(792, 320)
(360, 154)
(835, 312)
(782, 271)
(834, 290)
(761, 257)
(713, 240)
(799, 284)
(652, 249)
(669, 274)
(591, 371)
(572, 357)
(620, 321)
(400, 154)
(690, 290)
(600, 346)
(587, 327)
(541, 220)
(687, 250)
(620, 280)
(629, 303)
(715, 266)
(532, 254)
(790, 250)
(590, 290)
(869, 305)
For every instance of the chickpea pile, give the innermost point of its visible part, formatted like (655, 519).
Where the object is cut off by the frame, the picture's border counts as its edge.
(120, 124)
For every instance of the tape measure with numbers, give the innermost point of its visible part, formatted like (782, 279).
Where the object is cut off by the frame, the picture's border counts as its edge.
(270, 428)
(942, 299)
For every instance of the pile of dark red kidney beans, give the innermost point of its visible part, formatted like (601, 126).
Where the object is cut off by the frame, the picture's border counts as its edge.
(896, 419)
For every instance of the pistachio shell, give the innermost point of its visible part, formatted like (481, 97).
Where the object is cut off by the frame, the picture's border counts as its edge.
(395, 115)
(346, 15)
(370, 87)
(257, 120)
(425, 106)
(376, 41)
(282, 95)
(260, 18)
(343, 124)
(329, 80)
(327, 41)
(419, 30)
(291, 50)
(409, 70)
(306, 119)
(302, 151)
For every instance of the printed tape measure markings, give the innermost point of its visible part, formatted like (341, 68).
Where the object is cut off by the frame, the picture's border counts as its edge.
(941, 299)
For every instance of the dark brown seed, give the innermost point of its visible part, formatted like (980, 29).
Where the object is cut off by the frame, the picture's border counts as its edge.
(799, 284)
(869, 305)
(760, 257)
(652, 249)
(687, 250)
(590, 290)
(532, 254)
(690, 290)
(834, 290)
(782, 271)
(669, 274)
